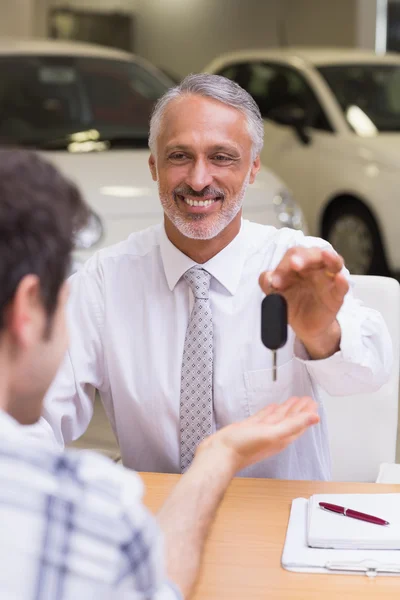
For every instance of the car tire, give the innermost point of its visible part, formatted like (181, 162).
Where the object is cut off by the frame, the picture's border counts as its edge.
(353, 232)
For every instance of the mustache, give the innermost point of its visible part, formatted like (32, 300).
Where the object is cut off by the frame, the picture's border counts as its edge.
(186, 190)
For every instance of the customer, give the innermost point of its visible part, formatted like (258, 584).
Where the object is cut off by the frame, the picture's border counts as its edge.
(73, 526)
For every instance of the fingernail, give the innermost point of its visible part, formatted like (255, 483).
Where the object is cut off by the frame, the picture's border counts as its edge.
(267, 278)
(297, 262)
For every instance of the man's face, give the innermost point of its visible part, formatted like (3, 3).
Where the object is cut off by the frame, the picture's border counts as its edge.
(203, 165)
(39, 354)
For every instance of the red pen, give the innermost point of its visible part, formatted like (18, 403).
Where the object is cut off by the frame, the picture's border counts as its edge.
(354, 514)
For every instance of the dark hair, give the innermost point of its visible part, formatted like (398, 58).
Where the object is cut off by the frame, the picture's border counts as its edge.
(40, 211)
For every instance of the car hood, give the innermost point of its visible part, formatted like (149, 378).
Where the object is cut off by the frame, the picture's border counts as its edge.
(113, 183)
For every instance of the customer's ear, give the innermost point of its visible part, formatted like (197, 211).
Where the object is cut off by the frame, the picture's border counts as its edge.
(26, 316)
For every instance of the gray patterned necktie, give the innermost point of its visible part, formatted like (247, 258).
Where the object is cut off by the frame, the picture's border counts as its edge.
(196, 406)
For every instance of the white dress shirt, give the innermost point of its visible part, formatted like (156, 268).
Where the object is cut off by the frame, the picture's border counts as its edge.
(129, 310)
(73, 526)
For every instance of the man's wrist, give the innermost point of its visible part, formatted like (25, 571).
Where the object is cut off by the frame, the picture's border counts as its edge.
(325, 345)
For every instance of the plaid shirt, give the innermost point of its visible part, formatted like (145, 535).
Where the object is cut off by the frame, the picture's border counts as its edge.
(73, 526)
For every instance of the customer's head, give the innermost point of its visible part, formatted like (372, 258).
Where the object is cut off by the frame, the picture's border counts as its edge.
(39, 213)
(206, 135)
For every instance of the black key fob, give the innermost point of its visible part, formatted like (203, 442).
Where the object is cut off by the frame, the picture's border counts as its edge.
(274, 321)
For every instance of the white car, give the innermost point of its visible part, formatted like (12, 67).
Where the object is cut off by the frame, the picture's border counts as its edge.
(332, 132)
(87, 109)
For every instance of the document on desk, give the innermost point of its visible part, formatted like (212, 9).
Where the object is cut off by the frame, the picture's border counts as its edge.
(298, 556)
(328, 529)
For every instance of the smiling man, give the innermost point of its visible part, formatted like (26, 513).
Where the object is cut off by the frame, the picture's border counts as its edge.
(166, 325)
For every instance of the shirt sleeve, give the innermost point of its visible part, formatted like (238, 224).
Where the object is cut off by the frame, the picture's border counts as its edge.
(142, 568)
(68, 405)
(365, 358)
(169, 591)
(117, 531)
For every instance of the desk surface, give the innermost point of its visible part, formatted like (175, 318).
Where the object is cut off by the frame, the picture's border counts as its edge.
(243, 552)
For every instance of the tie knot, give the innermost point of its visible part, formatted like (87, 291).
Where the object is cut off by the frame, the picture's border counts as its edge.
(199, 281)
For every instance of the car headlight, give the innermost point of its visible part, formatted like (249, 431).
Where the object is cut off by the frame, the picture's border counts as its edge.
(89, 235)
(289, 214)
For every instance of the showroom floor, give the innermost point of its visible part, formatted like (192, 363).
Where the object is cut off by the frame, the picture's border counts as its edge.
(100, 435)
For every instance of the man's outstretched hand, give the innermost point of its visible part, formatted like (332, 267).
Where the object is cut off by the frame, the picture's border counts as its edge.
(314, 285)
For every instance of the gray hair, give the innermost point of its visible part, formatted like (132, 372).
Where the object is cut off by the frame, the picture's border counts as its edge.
(218, 88)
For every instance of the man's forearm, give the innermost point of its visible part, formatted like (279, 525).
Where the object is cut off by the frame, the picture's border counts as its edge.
(186, 516)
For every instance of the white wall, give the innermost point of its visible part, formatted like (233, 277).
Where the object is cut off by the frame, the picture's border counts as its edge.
(98, 5)
(184, 35)
(366, 24)
(321, 22)
(16, 17)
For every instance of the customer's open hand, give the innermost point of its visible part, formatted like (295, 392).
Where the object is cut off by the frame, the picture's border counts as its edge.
(266, 433)
(312, 281)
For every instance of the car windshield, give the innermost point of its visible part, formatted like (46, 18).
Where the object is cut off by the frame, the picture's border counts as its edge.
(53, 101)
(369, 95)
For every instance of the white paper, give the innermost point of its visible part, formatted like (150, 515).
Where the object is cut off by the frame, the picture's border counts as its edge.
(331, 530)
(297, 556)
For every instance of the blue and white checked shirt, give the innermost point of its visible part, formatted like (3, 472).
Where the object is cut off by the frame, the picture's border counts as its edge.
(73, 526)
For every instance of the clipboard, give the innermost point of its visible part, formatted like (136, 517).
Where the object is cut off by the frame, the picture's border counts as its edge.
(299, 557)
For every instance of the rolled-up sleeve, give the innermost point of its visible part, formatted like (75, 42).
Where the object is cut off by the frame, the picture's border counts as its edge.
(364, 361)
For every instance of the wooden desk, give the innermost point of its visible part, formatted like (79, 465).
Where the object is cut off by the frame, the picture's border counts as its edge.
(243, 552)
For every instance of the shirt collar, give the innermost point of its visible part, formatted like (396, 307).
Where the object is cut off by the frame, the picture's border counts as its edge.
(226, 266)
(9, 427)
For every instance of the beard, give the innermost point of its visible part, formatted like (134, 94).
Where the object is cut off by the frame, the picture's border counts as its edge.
(202, 226)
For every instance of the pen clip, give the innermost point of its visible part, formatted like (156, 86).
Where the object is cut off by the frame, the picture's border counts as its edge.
(330, 510)
(370, 567)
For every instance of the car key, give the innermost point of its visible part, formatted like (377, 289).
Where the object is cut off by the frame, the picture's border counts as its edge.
(274, 325)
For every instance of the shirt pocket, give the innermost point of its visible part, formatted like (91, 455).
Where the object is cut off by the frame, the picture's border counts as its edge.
(261, 390)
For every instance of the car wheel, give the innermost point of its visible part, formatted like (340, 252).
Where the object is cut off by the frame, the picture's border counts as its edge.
(352, 231)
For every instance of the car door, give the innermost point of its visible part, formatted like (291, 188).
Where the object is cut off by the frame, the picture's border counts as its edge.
(275, 86)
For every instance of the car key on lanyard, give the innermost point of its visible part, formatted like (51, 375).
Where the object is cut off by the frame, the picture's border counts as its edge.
(274, 325)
